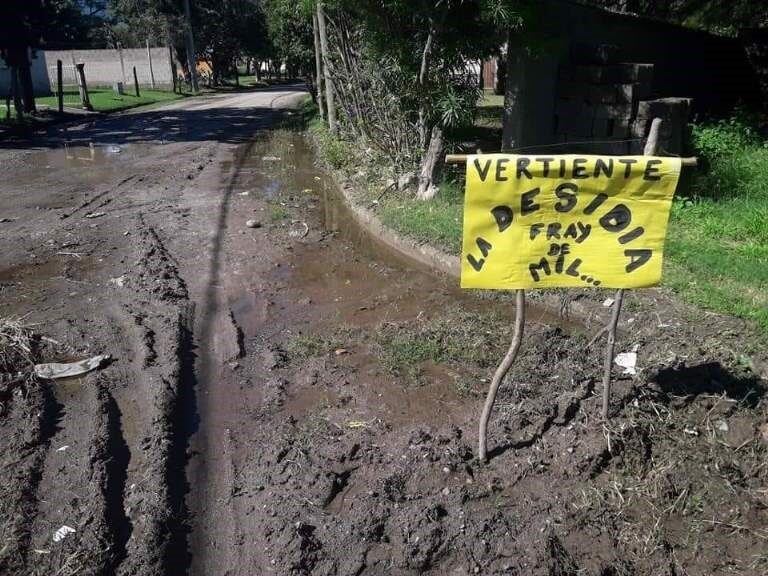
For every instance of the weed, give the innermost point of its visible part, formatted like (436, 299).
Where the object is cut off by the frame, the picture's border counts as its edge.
(16, 346)
(278, 212)
(459, 338)
(308, 345)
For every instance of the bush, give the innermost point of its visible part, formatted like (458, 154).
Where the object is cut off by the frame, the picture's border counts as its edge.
(713, 141)
(735, 159)
(335, 151)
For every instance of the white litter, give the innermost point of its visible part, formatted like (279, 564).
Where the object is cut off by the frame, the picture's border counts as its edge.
(628, 361)
(95, 214)
(608, 302)
(271, 158)
(55, 370)
(119, 281)
(722, 426)
(62, 448)
(63, 532)
(298, 229)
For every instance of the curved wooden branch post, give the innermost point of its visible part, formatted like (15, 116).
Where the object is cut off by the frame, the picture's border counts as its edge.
(501, 371)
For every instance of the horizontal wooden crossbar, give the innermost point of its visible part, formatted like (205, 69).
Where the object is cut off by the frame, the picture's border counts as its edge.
(462, 159)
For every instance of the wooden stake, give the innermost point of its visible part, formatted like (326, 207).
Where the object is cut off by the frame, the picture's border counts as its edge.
(690, 161)
(59, 86)
(651, 146)
(136, 82)
(501, 371)
(83, 87)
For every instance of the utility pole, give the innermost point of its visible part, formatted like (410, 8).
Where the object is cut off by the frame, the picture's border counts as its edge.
(151, 72)
(328, 81)
(190, 41)
(318, 69)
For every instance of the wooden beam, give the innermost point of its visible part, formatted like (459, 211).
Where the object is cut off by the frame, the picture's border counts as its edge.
(691, 161)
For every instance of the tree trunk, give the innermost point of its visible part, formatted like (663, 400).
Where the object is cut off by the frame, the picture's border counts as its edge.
(422, 81)
(190, 45)
(427, 188)
(27, 89)
(15, 94)
(318, 69)
(328, 82)
(513, 97)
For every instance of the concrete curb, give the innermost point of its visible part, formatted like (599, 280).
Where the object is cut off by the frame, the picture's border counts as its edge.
(423, 253)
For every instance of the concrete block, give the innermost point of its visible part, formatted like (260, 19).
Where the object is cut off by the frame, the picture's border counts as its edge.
(674, 114)
(614, 111)
(583, 53)
(620, 128)
(625, 73)
(601, 127)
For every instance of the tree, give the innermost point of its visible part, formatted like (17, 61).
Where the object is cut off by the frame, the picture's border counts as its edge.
(404, 71)
(20, 24)
(289, 25)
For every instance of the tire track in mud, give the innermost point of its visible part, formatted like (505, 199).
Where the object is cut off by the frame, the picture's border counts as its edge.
(161, 314)
(34, 405)
(218, 339)
(81, 480)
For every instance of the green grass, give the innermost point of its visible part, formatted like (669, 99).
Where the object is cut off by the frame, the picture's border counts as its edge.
(437, 222)
(104, 100)
(278, 213)
(458, 337)
(717, 245)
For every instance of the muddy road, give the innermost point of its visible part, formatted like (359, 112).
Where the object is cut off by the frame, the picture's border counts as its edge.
(287, 396)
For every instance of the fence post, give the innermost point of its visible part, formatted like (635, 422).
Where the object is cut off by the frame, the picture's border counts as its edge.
(83, 87)
(60, 86)
(122, 62)
(151, 72)
(136, 82)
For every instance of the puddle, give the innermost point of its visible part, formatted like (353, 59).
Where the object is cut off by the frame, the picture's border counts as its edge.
(340, 276)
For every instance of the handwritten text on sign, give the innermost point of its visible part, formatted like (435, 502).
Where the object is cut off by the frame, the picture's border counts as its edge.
(549, 221)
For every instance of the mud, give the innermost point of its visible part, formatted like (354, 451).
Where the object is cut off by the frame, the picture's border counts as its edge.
(294, 398)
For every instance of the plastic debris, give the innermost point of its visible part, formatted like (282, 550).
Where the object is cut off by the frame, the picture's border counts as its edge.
(53, 370)
(119, 281)
(62, 449)
(358, 424)
(95, 214)
(722, 426)
(628, 361)
(253, 224)
(114, 149)
(298, 229)
(271, 158)
(608, 302)
(63, 532)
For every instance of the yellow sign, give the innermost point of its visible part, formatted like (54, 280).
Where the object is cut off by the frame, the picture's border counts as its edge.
(566, 221)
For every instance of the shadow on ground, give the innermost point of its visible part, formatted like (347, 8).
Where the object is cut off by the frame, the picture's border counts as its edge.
(711, 378)
(202, 120)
